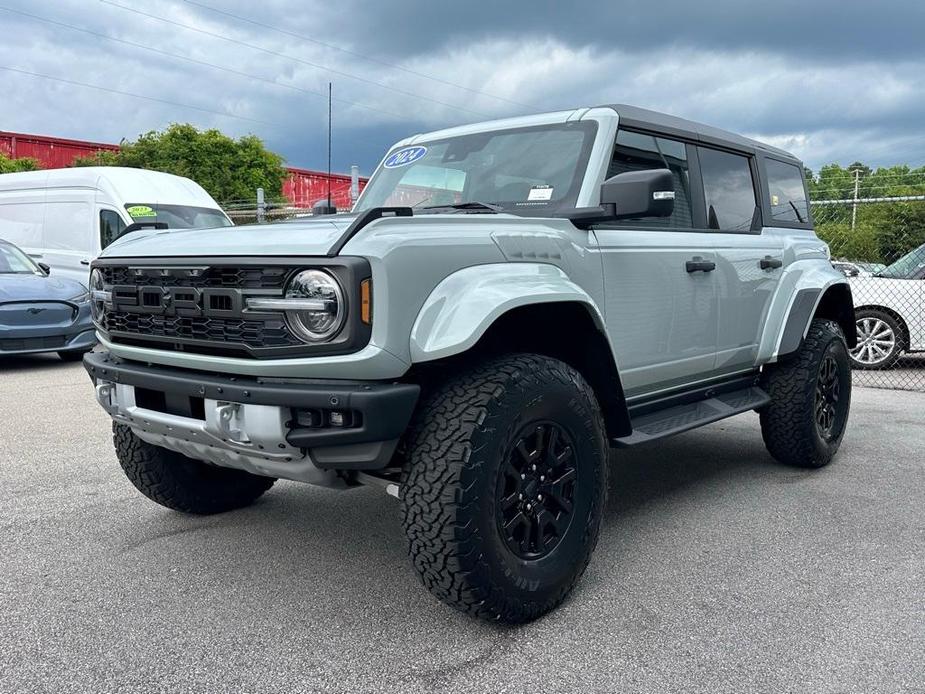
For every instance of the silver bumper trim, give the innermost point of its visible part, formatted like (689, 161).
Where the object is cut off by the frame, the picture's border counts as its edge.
(244, 436)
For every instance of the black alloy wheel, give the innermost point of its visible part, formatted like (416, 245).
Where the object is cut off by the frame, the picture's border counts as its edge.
(536, 490)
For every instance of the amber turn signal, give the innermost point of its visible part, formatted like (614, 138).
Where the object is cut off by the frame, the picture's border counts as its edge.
(366, 301)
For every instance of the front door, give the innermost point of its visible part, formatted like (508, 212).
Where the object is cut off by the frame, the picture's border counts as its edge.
(659, 283)
(661, 318)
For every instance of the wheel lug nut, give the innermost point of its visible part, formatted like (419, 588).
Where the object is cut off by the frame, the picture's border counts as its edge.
(539, 497)
(529, 506)
(533, 467)
(520, 496)
(523, 476)
(542, 478)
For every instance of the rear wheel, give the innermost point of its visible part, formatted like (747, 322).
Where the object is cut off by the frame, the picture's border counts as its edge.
(181, 483)
(504, 487)
(810, 399)
(880, 340)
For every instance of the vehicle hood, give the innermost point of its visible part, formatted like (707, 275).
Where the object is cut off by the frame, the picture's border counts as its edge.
(37, 288)
(312, 236)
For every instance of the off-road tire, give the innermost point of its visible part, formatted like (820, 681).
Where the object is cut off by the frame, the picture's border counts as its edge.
(788, 424)
(181, 483)
(463, 433)
(899, 340)
(72, 355)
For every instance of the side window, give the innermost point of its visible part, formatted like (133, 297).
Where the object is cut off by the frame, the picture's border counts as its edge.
(21, 223)
(729, 190)
(637, 152)
(788, 196)
(68, 226)
(111, 226)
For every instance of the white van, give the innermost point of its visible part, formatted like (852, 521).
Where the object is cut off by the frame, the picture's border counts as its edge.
(65, 217)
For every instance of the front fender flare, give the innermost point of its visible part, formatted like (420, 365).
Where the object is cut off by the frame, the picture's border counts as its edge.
(465, 304)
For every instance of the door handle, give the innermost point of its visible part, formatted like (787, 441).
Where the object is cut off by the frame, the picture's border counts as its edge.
(698, 264)
(84, 262)
(769, 263)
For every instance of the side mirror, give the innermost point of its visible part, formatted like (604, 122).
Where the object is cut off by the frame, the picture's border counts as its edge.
(630, 195)
(637, 194)
(46, 268)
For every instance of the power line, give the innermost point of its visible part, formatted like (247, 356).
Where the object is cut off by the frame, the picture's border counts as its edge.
(194, 60)
(136, 96)
(291, 57)
(332, 46)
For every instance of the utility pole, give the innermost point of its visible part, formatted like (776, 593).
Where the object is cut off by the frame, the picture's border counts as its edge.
(261, 207)
(854, 207)
(354, 183)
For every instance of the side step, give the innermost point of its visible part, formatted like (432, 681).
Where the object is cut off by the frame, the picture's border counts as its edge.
(679, 418)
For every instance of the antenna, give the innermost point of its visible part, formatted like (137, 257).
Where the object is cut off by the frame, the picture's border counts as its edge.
(330, 99)
(326, 206)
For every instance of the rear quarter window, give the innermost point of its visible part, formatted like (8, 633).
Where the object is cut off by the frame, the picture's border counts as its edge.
(786, 192)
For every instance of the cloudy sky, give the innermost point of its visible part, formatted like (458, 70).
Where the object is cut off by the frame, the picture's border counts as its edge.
(831, 81)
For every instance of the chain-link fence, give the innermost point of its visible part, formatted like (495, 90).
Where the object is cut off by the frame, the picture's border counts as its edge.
(879, 243)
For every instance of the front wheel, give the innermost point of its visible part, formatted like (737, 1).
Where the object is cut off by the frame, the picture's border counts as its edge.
(805, 421)
(183, 484)
(505, 486)
(73, 354)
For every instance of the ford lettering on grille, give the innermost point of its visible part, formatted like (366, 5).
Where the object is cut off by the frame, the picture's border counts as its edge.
(178, 301)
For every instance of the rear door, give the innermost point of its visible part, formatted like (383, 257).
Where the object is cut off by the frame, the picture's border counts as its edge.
(661, 312)
(749, 261)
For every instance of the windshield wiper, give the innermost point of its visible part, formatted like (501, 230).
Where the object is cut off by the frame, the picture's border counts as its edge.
(471, 205)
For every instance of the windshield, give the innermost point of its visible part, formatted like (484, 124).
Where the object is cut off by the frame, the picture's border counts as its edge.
(14, 262)
(178, 216)
(907, 266)
(531, 171)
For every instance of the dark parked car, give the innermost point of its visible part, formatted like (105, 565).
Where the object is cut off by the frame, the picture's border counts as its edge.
(39, 313)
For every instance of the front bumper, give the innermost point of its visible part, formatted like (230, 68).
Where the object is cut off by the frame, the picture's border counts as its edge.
(72, 331)
(274, 427)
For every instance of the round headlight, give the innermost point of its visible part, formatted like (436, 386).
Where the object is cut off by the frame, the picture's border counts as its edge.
(96, 300)
(323, 321)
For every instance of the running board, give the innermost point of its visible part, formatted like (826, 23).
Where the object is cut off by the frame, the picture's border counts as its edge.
(679, 418)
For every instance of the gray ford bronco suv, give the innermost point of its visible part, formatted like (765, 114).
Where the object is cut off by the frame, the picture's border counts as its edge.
(507, 302)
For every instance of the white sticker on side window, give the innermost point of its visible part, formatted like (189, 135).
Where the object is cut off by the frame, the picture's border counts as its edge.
(540, 193)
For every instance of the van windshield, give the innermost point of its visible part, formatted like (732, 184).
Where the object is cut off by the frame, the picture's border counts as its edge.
(178, 216)
(526, 171)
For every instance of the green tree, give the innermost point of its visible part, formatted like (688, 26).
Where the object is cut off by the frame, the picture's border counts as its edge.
(230, 170)
(883, 231)
(8, 165)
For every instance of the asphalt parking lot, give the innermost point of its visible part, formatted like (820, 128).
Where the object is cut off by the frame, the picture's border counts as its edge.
(717, 571)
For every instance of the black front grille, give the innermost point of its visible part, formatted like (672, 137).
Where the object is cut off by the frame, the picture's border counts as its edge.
(201, 308)
(200, 305)
(253, 333)
(199, 277)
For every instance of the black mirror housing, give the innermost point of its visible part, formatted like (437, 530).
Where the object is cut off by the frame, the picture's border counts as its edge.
(630, 195)
(46, 268)
(638, 194)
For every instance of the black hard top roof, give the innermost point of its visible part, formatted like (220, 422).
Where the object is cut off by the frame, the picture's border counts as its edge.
(644, 119)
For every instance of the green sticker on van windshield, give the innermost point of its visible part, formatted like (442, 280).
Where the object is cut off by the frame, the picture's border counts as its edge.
(141, 211)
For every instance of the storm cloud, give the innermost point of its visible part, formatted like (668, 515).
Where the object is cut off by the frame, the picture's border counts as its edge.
(830, 81)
